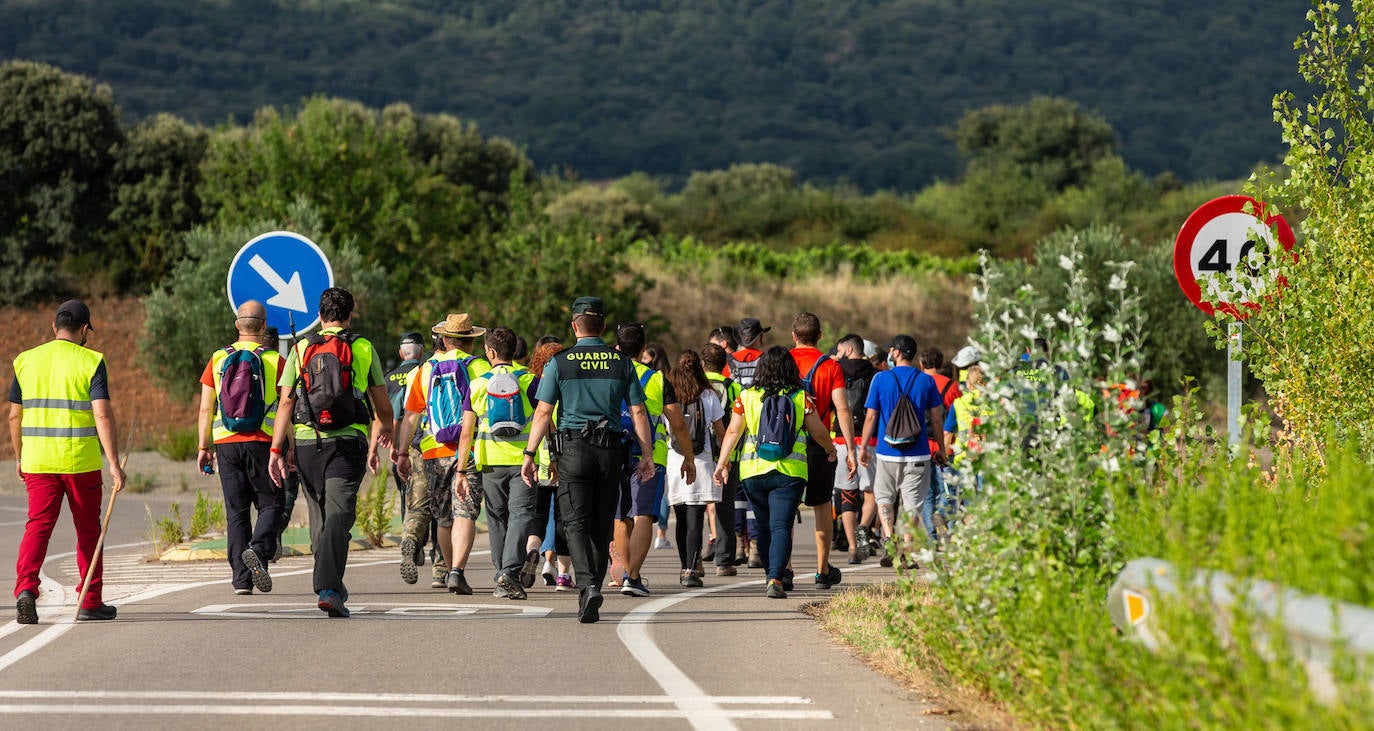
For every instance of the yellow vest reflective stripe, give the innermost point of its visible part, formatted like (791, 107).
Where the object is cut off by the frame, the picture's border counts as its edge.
(57, 431)
(752, 465)
(968, 413)
(488, 449)
(653, 401)
(271, 369)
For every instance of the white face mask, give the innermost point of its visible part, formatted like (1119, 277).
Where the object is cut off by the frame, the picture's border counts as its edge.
(891, 360)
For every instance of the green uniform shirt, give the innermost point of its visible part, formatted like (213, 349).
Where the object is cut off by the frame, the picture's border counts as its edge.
(588, 382)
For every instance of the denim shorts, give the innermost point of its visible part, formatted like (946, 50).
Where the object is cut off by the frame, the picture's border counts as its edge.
(640, 498)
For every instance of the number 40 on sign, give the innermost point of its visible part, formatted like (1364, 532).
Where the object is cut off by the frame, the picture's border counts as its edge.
(1218, 247)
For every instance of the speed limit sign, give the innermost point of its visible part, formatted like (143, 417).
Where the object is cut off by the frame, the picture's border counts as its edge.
(1219, 249)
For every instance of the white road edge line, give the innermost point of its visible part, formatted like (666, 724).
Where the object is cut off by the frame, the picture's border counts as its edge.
(339, 697)
(700, 710)
(391, 712)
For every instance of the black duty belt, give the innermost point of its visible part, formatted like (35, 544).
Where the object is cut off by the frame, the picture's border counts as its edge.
(599, 434)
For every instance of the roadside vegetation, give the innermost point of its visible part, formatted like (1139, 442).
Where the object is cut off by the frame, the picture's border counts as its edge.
(1072, 487)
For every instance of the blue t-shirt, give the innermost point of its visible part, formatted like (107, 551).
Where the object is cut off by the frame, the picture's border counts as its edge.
(883, 394)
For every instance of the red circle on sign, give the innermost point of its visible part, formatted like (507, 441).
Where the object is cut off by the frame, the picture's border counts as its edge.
(1187, 236)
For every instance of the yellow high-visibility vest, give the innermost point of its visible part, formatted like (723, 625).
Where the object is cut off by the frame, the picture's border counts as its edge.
(488, 449)
(271, 370)
(750, 463)
(653, 402)
(58, 428)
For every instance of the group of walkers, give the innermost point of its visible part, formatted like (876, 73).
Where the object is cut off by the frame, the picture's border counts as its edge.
(578, 451)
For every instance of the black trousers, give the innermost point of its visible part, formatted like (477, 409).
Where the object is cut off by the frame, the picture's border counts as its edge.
(243, 477)
(588, 490)
(725, 520)
(331, 474)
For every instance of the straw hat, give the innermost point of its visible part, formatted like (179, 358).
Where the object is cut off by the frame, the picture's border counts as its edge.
(458, 326)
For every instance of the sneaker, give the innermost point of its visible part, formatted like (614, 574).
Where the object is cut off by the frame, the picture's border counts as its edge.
(663, 543)
(332, 604)
(831, 577)
(589, 605)
(755, 560)
(548, 572)
(709, 552)
(726, 571)
(409, 573)
(102, 612)
(512, 589)
(457, 583)
(26, 607)
(699, 570)
(564, 583)
(885, 561)
(634, 587)
(787, 579)
(855, 558)
(775, 590)
(243, 591)
(530, 570)
(262, 581)
(690, 579)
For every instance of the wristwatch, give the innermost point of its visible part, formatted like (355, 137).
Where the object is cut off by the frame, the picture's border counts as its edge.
(530, 454)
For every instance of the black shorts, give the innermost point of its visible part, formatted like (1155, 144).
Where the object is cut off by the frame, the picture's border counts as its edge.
(820, 476)
(849, 501)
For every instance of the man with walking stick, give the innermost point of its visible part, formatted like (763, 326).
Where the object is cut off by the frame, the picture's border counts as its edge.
(61, 420)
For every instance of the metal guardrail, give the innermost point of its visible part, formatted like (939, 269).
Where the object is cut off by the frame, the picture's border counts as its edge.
(1317, 627)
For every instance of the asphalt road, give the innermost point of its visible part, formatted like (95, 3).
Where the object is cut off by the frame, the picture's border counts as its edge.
(186, 652)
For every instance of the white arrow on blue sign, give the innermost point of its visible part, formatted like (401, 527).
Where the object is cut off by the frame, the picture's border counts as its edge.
(285, 271)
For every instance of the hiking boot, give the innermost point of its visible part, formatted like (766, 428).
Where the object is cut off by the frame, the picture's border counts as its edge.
(787, 578)
(102, 612)
(332, 604)
(699, 570)
(262, 581)
(831, 577)
(634, 587)
(855, 558)
(690, 579)
(512, 589)
(440, 574)
(589, 605)
(457, 583)
(26, 608)
(755, 559)
(530, 570)
(409, 573)
(775, 590)
(726, 570)
(709, 552)
(741, 549)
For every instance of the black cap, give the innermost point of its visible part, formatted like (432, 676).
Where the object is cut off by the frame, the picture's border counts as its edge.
(750, 329)
(77, 313)
(905, 344)
(589, 306)
(413, 338)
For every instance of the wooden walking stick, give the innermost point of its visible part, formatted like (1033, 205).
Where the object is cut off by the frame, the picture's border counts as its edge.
(105, 524)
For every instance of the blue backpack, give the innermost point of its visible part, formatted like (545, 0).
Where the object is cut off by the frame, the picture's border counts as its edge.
(505, 408)
(806, 382)
(777, 427)
(448, 389)
(242, 394)
(627, 422)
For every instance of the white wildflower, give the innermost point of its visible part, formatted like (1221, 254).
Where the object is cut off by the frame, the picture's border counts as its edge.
(1111, 334)
(1083, 351)
(1027, 332)
(1065, 317)
(1065, 263)
(1117, 283)
(980, 294)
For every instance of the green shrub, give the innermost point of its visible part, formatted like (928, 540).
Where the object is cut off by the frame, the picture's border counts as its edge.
(139, 483)
(375, 510)
(179, 443)
(206, 516)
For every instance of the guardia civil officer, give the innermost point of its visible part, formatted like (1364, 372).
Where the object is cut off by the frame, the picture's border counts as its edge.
(588, 382)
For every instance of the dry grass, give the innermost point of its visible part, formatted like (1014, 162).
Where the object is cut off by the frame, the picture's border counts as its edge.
(934, 309)
(858, 617)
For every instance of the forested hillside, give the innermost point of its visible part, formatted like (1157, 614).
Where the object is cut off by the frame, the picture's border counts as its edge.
(861, 90)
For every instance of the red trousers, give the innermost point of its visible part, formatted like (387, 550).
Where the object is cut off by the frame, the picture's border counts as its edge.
(45, 504)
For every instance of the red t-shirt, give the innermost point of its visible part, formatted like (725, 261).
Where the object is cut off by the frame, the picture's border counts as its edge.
(953, 393)
(828, 377)
(207, 378)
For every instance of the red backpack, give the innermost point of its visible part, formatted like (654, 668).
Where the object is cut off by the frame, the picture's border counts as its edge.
(326, 398)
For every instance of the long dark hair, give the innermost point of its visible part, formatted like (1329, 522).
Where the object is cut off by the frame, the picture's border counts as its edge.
(777, 372)
(688, 377)
(658, 357)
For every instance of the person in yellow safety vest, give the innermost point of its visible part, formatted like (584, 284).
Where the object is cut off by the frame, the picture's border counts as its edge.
(732, 517)
(61, 419)
(640, 499)
(495, 431)
(454, 509)
(774, 487)
(238, 417)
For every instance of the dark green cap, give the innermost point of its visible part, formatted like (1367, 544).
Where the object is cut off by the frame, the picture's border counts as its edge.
(589, 306)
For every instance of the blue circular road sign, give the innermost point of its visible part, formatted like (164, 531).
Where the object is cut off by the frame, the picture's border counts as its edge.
(285, 271)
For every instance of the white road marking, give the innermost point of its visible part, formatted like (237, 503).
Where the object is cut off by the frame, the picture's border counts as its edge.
(374, 610)
(697, 707)
(336, 697)
(332, 711)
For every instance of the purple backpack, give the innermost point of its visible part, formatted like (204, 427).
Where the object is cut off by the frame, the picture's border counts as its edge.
(242, 394)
